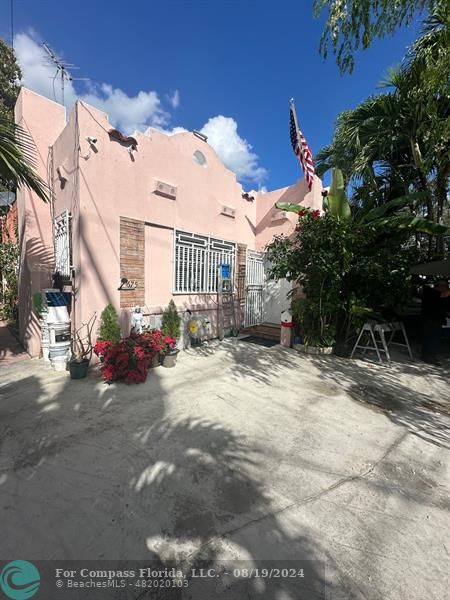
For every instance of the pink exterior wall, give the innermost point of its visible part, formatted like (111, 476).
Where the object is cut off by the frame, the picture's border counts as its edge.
(44, 120)
(111, 184)
(299, 193)
(100, 184)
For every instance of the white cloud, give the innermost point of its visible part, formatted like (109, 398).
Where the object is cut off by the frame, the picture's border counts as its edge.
(174, 99)
(37, 74)
(125, 112)
(128, 113)
(235, 152)
(172, 131)
(139, 112)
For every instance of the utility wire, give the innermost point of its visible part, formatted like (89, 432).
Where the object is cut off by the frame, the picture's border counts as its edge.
(12, 24)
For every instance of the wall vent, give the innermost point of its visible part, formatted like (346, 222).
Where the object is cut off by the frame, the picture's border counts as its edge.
(165, 189)
(280, 215)
(228, 211)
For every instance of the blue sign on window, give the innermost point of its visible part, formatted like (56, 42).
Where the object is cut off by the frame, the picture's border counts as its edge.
(225, 271)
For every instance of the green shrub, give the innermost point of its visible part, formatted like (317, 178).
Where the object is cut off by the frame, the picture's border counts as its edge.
(38, 304)
(340, 265)
(171, 321)
(109, 325)
(9, 264)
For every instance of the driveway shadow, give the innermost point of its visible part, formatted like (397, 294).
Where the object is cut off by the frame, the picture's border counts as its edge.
(382, 388)
(90, 471)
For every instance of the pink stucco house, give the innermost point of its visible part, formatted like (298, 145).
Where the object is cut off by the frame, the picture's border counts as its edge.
(159, 211)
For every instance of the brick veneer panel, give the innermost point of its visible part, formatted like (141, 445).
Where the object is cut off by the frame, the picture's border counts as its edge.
(132, 260)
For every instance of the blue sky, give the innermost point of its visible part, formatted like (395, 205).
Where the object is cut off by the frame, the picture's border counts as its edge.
(228, 66)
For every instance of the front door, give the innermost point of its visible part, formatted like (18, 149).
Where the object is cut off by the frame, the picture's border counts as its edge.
(255, 281)
(276, 300)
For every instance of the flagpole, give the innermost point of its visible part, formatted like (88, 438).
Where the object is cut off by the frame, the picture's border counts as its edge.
(292, 104)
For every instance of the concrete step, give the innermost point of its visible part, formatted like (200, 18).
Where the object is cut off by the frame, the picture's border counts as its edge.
(266, 330)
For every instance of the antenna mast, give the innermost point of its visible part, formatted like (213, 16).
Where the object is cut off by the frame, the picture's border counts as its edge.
(61, 70)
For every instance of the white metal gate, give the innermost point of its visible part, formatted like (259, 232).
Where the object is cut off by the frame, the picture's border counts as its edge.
(62, 243)
(255, 282)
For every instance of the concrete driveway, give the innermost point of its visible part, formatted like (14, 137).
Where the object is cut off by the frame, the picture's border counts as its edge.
(240, 452)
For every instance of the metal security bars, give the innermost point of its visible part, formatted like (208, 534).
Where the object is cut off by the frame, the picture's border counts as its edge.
(255, 280)
(197, 258)
(63, 244)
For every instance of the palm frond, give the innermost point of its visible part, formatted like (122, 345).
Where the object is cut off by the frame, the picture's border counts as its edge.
(18, 159)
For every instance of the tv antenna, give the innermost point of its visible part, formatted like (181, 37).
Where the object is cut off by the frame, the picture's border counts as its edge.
(62, 70)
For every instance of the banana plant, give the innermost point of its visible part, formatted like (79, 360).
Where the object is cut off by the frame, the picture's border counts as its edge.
(387, 217)
(335, 201)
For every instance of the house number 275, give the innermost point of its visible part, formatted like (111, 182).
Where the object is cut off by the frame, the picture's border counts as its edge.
(128, 284)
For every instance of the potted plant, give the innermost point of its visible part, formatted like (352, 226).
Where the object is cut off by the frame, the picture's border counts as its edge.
(171, 329)
(169, 352)
(314, 331)
(82, 350)
(109, 330)
(155, 338)
(129, 359)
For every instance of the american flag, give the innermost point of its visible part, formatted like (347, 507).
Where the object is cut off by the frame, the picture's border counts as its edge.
(300, 147)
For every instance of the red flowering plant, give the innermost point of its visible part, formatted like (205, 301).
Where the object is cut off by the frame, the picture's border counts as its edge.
(169, 344)
(130, 358)
(155, 339)
(304, 215)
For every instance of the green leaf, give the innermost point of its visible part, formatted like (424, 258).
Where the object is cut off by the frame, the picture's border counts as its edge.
(412, 223)
(289, 207)
(337, 203)
(392, 206)
(17, 158)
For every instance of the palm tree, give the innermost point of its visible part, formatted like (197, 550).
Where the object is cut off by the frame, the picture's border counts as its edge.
(351, 26)
(397, 142)
(17, 159)
(426, 72)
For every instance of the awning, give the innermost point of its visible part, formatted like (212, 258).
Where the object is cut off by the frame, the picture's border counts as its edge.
(438, 268)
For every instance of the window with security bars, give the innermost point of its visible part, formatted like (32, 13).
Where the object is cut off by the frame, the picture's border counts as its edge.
(197, 258)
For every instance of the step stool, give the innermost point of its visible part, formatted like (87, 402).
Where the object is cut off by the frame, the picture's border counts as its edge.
(399, 326)
(382, 329)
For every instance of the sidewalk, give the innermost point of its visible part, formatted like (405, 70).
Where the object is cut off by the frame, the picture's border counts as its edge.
(11, 351)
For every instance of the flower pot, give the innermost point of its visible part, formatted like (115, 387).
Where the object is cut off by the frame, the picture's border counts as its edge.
(156, 361)
(78, 370)
(170, 359)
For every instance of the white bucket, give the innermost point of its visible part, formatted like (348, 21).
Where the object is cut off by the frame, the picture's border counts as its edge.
(59, 363)
(59, 349)
(58, 314)
(45, 338)
(45, 345)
